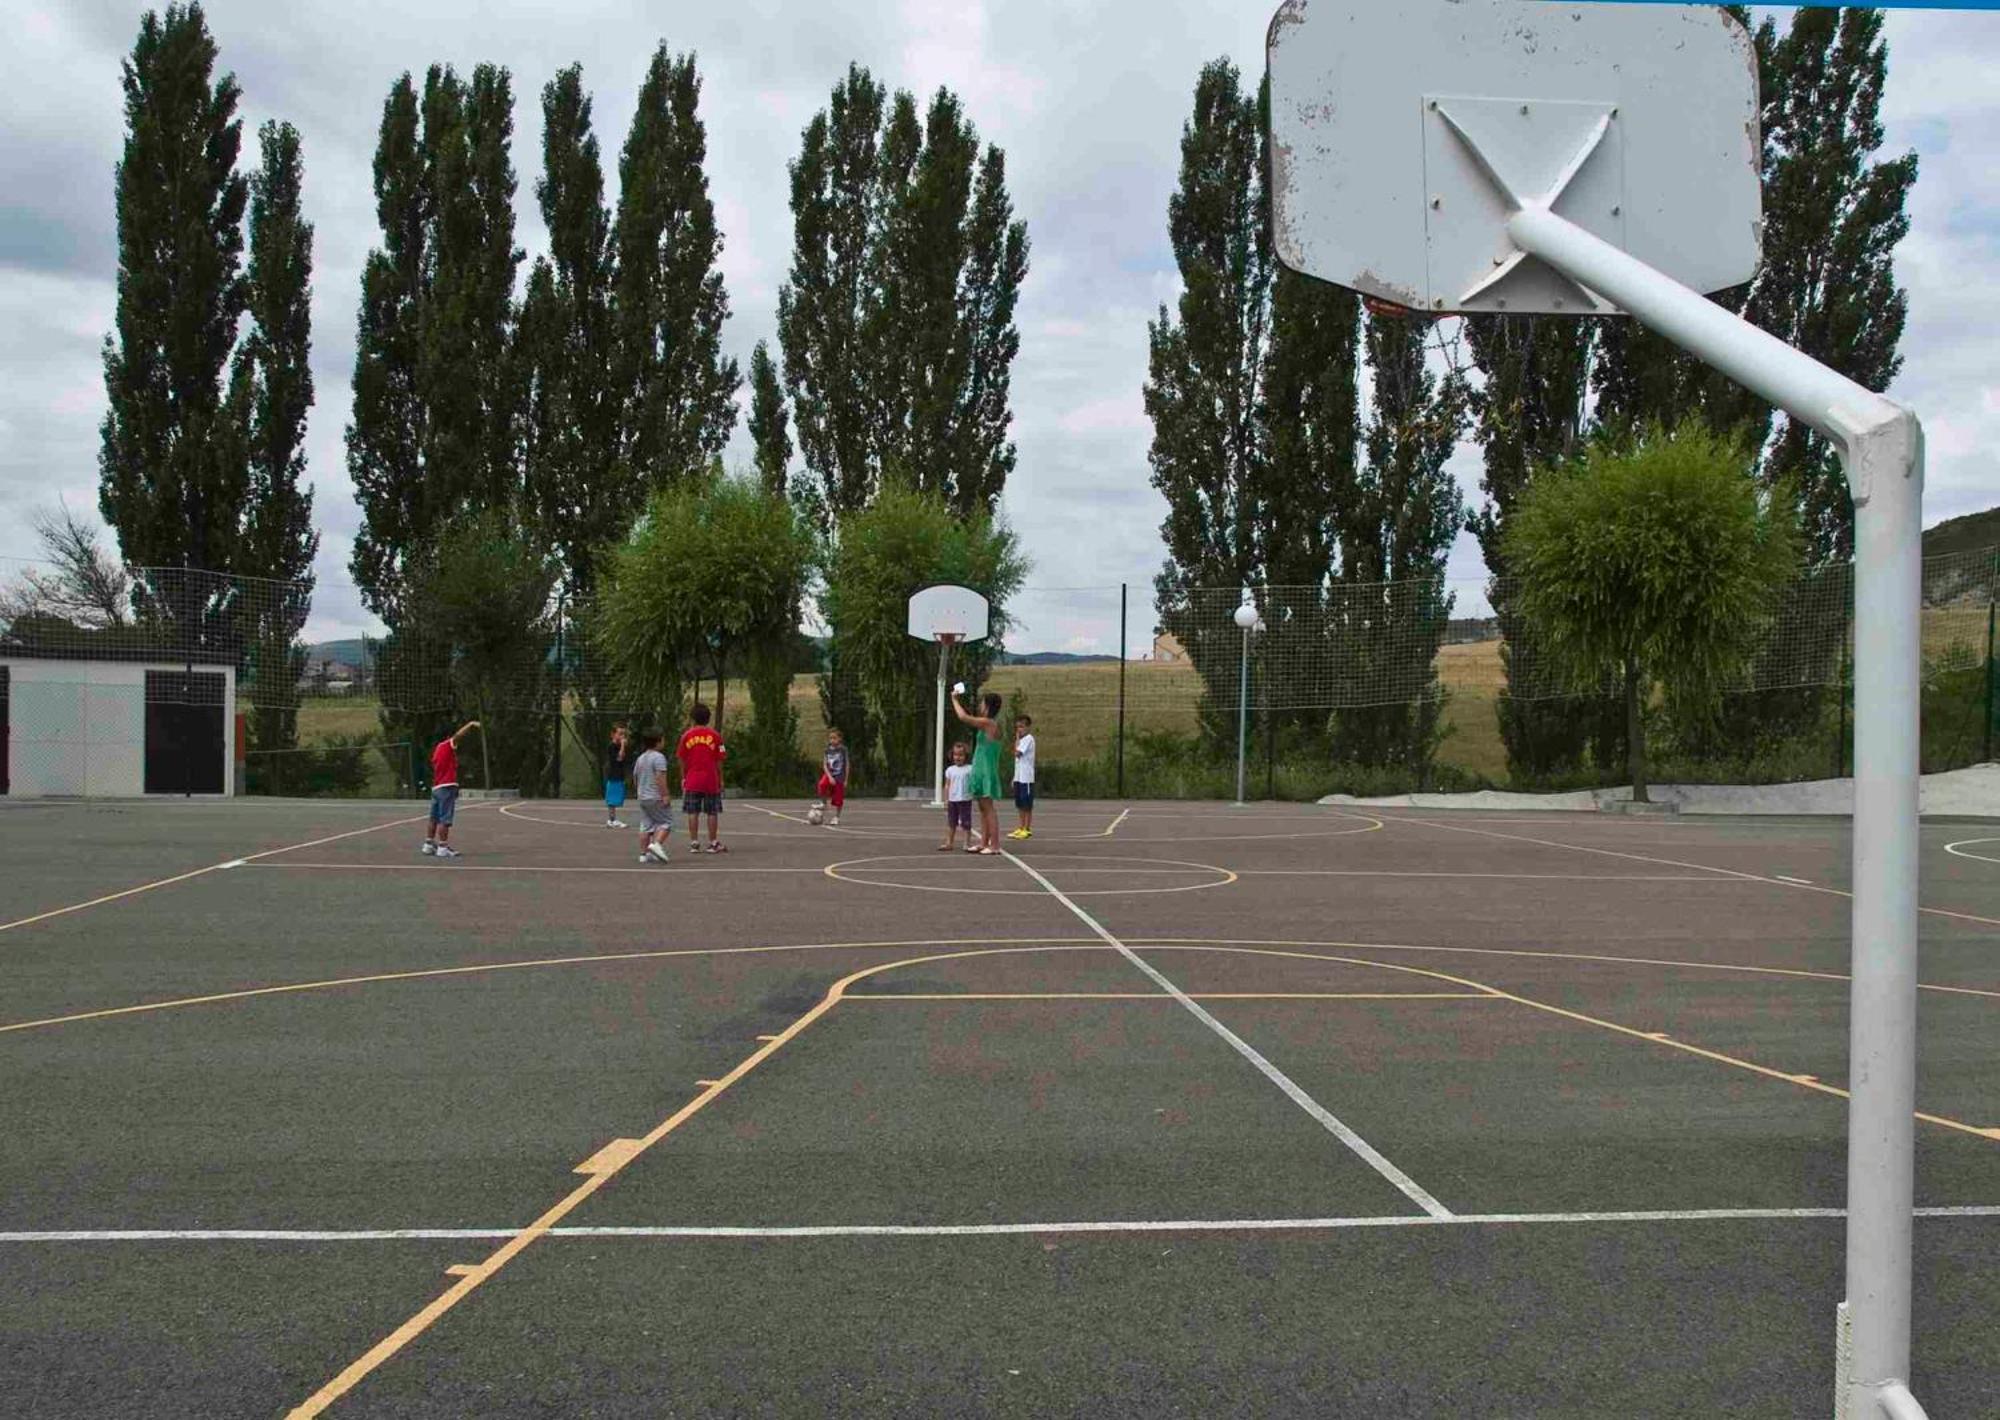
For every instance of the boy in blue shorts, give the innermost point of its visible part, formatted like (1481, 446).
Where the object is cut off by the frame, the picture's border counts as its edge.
(444, 793)
(617, 765)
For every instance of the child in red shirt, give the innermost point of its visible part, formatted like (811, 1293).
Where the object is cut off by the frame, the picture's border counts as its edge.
(444, 793)
(701, 753)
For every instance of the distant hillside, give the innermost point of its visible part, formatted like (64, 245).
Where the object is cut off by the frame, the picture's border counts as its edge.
(1975, 532)
(348, 652)
(1054, 658)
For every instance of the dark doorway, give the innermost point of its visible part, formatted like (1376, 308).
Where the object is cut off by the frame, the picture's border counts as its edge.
(184, 732)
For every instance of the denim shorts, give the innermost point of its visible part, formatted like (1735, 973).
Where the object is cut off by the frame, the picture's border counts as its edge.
(444, 805)
(1024, 795)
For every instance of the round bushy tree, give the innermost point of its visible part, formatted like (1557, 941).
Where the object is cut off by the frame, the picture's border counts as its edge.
(1657, 560)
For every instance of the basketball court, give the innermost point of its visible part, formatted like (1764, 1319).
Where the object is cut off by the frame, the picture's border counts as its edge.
(1178, 1109)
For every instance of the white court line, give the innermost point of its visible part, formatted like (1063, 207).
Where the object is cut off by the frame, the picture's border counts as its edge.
(1952, 848)
(1123, 815)
(1677, 863)
(972, 1230)
(1788, 878)
(1409, 1187)
(439, 869)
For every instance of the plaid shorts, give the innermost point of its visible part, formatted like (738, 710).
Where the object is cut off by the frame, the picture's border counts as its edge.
(701, 804)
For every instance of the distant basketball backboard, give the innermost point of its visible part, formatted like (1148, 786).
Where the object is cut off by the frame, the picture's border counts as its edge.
(947, 611)
(1405, 134)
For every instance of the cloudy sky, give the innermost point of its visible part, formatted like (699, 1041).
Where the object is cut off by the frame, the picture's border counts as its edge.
(1087, 100)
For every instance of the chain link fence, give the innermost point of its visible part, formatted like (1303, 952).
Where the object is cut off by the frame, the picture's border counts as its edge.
(191, 682)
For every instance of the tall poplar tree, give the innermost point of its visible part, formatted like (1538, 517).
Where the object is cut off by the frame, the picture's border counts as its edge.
(271, 391)
(678, 392)
(172, 473)
(437, 389)
(272, 374)
(1206, 359)
(897, 320)
(770, 426)
(1833, 215)
(1396, 529)
(573, 422)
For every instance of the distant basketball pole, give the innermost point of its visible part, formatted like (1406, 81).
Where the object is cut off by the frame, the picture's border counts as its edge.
(1565, 154)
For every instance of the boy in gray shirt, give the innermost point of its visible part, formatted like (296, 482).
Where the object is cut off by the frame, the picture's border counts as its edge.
(656, 820)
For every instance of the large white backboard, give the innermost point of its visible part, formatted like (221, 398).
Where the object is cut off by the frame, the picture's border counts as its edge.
(1404, 133)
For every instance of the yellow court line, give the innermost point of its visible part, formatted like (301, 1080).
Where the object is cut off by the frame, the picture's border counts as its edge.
(1552, 956)
(1810, 1082)
(376, 978)
(215, 998)
(199, 872)
(608, 1163)
(1678, 863)
(1162, 996)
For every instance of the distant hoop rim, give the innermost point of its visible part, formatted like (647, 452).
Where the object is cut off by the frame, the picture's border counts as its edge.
(1391, 310)
(948, 638)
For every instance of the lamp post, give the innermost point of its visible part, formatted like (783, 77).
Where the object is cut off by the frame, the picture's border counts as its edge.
(1247, 618)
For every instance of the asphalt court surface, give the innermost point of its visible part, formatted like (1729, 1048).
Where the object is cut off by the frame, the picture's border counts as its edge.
(1180, 1109)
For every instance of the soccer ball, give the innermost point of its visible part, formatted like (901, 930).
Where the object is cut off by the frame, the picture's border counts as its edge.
(815, 815)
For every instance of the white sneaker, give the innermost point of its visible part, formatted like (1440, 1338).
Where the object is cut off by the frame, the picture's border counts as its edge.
(834, 822)
(645, 857)
(659, 851)
(429, 848)
(448, 852)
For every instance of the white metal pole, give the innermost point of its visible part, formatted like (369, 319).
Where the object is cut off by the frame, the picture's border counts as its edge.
(1881, 447)
(937, 762)
(1242, 715)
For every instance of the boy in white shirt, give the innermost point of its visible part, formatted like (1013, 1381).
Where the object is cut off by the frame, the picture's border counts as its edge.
(958, 801)
(1024, 776)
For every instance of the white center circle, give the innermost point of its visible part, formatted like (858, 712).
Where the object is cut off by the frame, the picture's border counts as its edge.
(994, 877)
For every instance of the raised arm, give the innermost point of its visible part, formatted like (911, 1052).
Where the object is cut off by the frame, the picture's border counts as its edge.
(463, 730)
(978, 722)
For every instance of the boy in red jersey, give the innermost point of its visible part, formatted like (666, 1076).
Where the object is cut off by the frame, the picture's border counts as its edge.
(444, 792)
(701, 754)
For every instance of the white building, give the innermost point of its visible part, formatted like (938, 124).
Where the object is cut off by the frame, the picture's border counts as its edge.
(116, 729)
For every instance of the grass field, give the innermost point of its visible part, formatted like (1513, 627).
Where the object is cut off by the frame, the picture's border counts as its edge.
(1076, 706)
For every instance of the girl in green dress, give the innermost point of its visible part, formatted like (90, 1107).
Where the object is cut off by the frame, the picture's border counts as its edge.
(985, 785)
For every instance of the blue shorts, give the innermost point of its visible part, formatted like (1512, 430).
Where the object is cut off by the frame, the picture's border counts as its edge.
(1024, 796)
(444, 805)
(614, 793)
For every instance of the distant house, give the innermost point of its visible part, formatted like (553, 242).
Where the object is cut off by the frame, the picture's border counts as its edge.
(329, 676)
(1167, 648)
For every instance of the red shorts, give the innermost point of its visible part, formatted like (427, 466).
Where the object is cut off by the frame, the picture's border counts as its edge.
(833, 791)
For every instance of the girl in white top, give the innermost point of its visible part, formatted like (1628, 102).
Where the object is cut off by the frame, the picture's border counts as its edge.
(958, 801)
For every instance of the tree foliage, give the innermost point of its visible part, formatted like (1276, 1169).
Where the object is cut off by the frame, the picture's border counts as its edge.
(483, 612)
(1656, 560)
(904, 540)
(437, 391)
(573, 420)
(709, 580)
(897, 320)
(1253, 389)
(172, 470)
(677, 390)
(770, 425)
(84, 587)
(1833, 216)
